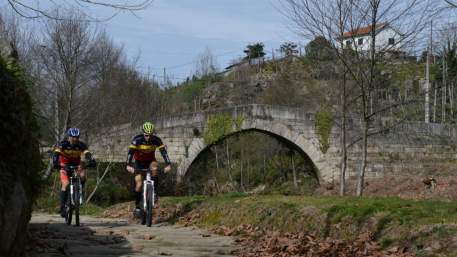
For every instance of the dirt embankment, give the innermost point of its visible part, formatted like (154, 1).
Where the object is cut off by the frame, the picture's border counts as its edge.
(373, 231)
(441, 185)
(256, 241)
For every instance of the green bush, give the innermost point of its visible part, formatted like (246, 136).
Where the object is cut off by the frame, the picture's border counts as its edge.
(323, 125)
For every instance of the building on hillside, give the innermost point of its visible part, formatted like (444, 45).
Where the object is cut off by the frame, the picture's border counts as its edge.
(387, 38)
(243, 64)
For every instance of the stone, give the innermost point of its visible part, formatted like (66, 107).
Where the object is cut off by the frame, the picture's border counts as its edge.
(148, 237)
(426, 144)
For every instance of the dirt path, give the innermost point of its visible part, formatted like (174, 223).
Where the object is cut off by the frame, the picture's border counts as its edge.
(116, 237)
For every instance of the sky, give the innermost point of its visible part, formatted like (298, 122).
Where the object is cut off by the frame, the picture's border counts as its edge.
(171, 34)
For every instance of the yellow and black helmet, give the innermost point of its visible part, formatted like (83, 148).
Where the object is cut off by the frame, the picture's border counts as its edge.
(148, 128)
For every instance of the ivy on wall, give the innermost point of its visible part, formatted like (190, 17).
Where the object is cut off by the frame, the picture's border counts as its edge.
(219, 126)
(323, 125)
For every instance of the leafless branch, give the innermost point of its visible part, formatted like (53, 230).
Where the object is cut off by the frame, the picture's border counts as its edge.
(27, 9)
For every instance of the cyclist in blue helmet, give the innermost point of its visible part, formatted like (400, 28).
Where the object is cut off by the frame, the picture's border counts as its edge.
(68, 152)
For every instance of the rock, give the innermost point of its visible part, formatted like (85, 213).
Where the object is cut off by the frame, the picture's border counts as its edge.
(124, 232)
(20, 161)
(148, 237)
(137, 247)
(435, 245)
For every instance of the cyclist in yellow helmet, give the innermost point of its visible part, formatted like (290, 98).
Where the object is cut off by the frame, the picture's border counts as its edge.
(141, 155)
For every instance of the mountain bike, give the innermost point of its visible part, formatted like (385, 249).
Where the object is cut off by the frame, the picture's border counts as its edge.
(148, 199)
(75, 198)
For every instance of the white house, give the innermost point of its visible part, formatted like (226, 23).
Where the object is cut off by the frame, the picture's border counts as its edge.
(387, 38)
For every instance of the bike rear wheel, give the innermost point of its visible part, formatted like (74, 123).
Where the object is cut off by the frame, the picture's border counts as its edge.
(149, 204)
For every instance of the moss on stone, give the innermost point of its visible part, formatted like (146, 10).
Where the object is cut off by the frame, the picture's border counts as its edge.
(20, 162)
(323, 125)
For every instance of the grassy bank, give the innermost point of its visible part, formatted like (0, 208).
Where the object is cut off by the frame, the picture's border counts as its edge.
(51, 204)
(425, 226)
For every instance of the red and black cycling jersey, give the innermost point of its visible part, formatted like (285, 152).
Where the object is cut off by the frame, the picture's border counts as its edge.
(67, 154)
(144, 151)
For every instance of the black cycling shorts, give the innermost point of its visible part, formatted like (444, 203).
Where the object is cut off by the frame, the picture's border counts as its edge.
(141, 165)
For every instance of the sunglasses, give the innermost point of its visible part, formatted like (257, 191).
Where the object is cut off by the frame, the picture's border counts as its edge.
(147, 135)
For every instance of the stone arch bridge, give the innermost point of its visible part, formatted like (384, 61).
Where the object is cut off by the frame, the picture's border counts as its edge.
(408, 147)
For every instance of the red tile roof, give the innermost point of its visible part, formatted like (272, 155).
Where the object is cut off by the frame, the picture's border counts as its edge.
(362, 31)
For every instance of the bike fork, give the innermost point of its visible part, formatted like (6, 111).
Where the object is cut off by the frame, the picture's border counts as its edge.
(144, 194)
(145, 184)
(71, 194)
(153, 194)
(80, 193)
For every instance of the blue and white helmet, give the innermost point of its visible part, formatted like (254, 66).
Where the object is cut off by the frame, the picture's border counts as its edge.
(73, 132)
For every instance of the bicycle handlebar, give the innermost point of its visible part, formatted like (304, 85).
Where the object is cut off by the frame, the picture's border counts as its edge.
(142, 170)
(70, 167)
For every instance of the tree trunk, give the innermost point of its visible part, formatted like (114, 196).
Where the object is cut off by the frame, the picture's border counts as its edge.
(294, 173)
(217, 158)
(367, 91)
(451, 100)
(361, 178)
(443, 103)
(343, 139)
(56, 113)
(434, 105)
(229, 170)
(67, 119)
(99, 181)
(248, 171)
(443, 94)
(217, 170)
(241, 171)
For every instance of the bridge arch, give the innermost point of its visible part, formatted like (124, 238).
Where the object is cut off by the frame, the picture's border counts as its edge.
(307, 147)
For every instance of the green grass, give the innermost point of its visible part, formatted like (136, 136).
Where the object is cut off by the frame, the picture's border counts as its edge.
(391, 220)
(405, 212)
(51, 205)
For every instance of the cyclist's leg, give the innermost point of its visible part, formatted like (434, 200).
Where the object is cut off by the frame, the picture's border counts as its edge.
(64, 181)
(82, 175)
(138, 189)
(154, 166)
(138, 184)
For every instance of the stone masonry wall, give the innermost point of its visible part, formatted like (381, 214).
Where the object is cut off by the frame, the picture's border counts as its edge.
(416, 148)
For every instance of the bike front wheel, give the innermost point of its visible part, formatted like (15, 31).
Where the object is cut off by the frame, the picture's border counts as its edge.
(149, 204)
(68, 212)
(76, 207)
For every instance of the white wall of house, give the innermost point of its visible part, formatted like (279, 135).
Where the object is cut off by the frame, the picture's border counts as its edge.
(386, 39)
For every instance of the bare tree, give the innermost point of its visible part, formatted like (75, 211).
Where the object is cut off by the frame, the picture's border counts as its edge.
(35, 9)
(205, 64)
(334, 18)
(451, 3)
(66, 56)
(447, 51)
